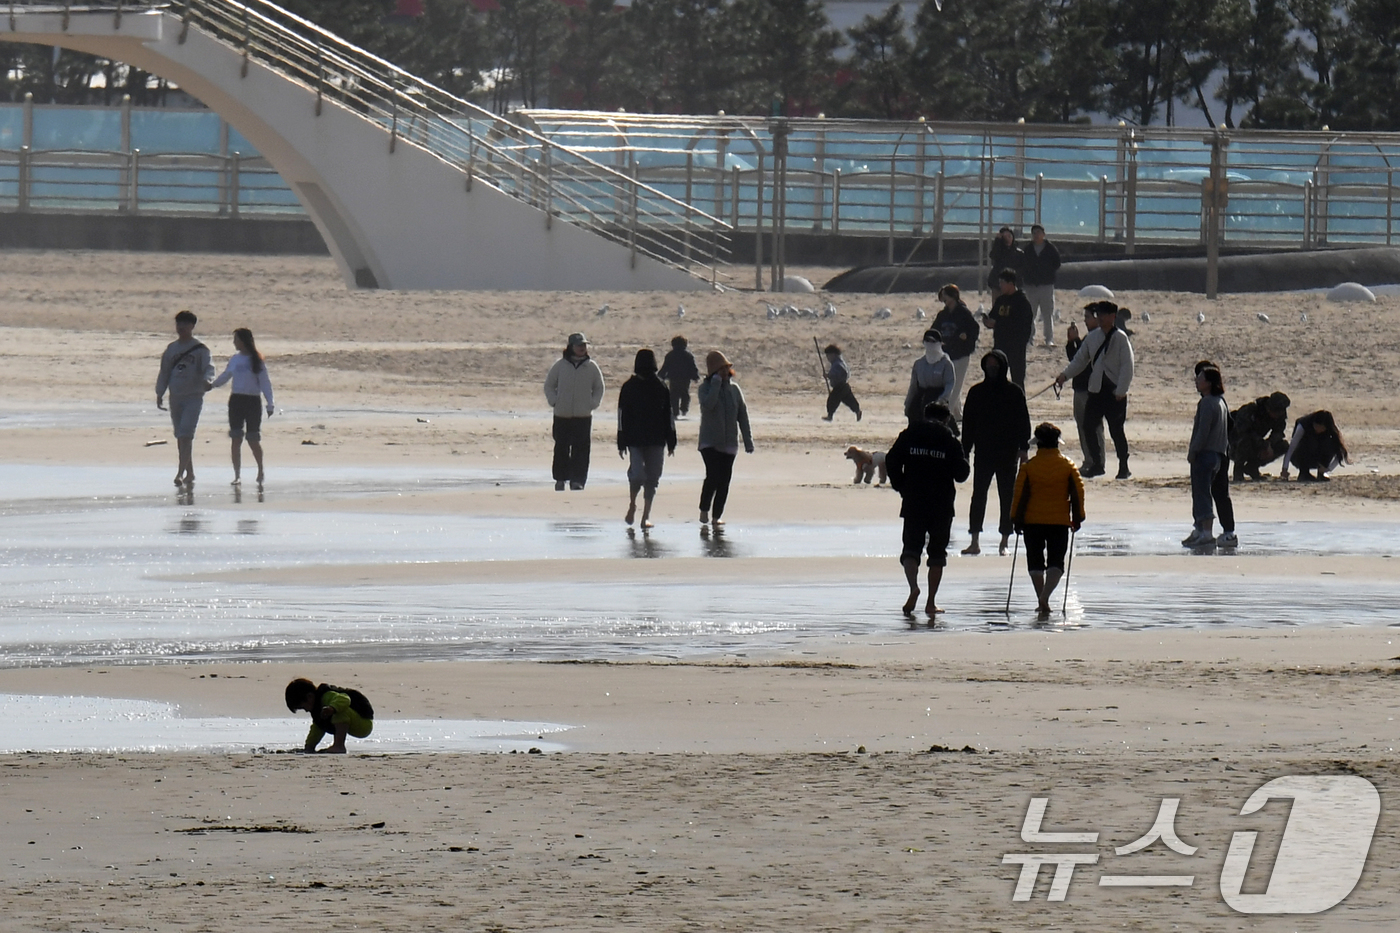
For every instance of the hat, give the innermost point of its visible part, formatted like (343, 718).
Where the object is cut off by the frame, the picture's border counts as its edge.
(716, 361)
(932, 336)
(575, 339)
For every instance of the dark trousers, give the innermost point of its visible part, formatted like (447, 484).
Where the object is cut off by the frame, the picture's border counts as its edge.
(1251, 453)
(1105, 406)
(719, 468)
(984, 467)
(680, 397)
(572, 438)
(1045, 546)
(1016, 363)
(1220, 492)
(1206, 467)
(841, 395)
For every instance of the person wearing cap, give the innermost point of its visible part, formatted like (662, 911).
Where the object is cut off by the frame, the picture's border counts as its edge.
(1048, 502)
(1012, 322)
(932, 379)
(723, 416)
(996, 433)
(573, 388)
(1258, 434)
(1080, 384)
(960, 330)
(1107, 354)
(838, 376)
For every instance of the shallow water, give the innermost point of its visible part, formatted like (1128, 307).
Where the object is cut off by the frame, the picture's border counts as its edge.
(87, 556)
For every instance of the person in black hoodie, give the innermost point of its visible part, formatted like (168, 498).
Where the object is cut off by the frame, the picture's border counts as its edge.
(1004, 254)
(960, 330)
(996, 430)
(1012, 322)
(646, 431)
(924, 465)
(679, 371)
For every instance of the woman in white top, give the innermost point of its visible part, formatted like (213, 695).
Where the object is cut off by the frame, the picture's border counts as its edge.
(249, 374)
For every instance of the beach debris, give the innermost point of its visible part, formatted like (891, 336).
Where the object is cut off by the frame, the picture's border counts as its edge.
(308, 443)
(772, 313)
(919, 314)
(1200, 317)
(424, 421)
(1351, 291)
(534, 751)
(680, 311)
(1096, 291)
(602, 311)
(883, 314)
(1145, 317)
(1262, 317)
(860, 750)
(156, 443)
(797, 283)
(830, 310)
(941, 749)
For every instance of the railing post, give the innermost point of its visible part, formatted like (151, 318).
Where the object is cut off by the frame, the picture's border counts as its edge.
(689, 194)
(1039, 193)
(134, 189)
(1389, 203)
(548, 188)
(632, 214)
(117, 18)
(1307, 214)
(836, 202)
(126, 122)
(938, 183)
(1103, 208)
(819, 189)
(758, 229)
(1130, 204)
(889, 247)
(920, 182)
(185, 21)
(320, 76)
(67, 12)
(471, 152)
(247, 39)
(28, 137)
(235, 185)
(394, 119)
(734, 198)
(24, 156)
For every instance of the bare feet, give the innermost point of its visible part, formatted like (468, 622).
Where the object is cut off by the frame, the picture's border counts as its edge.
(646, 523)
(718, 522)
(179, 479)
(972, 549)
(260, 477)
(236, 481)
(1002, 548)
(631, 513)
(911, 602)
(932, 611)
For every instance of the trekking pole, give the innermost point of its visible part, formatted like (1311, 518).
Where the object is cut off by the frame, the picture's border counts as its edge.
(1068, 567)
(1016, 549)
(821, 363)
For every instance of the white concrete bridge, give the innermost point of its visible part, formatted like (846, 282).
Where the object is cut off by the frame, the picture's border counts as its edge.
(411, 187)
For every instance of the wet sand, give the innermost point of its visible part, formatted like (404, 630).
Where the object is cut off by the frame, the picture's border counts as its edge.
(718, 789)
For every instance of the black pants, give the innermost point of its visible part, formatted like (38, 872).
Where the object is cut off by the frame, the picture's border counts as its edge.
(1220, 493)
(572, 438)
(1016, 363)
(719, 468)
(984, 468)
(1104, 405)
(930, 530)
(1045, 546)
(1250, 453)
(680, 397)
(1315, 452)
(841, 395)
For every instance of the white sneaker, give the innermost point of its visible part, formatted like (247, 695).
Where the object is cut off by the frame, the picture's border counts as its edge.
(1197, 538)
(1228, 539)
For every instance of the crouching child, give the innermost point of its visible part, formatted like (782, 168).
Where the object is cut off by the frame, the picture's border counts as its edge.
(336, 711)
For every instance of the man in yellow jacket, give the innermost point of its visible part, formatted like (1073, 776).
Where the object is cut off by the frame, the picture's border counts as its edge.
(1048, 501)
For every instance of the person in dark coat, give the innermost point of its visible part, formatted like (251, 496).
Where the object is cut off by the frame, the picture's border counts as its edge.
(1004, 254)
(1012, 322)
(1317, 445)
(925, 464)
(1038, 269)
(960, 331)
(1258, 434)
(646, 431)
(996, 432)
(678, 370)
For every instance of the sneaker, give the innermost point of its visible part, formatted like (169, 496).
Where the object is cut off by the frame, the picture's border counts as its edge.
(1197, 538)
(559, 486)
(576, 486)
(1228, 539)
(826, 417)
(1092, 472)
(857, 415)
(1124, 472)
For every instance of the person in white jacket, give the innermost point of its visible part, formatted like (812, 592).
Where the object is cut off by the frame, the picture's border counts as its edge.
(573, 388)
(248, 371)
(1108, 356)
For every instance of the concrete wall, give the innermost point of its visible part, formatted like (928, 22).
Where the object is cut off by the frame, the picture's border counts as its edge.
(148, 233)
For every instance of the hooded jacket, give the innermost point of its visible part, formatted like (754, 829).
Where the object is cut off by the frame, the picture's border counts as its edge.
(959, 329)
(644, 414)
(573, 387)
(723, 415)
(924, 465)
(996, 421)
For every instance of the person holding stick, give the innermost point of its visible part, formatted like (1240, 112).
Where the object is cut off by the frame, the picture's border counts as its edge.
(838, 382)
(1048, 503)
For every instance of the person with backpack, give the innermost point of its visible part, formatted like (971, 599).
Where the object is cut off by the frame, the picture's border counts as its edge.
(1108, 356)
(186, 369)
(932, 379)
(335, 711)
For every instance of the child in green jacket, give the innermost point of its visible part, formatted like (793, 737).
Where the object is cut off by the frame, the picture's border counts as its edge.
(333, 710)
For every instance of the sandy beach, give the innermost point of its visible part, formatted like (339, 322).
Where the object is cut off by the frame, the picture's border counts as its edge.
(744, 786)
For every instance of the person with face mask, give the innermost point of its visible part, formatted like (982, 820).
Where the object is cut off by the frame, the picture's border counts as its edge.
(996, 431)
(931, 380)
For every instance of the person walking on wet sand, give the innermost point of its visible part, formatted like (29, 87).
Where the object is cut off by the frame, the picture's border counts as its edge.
(186, 370)
(1210, 441)
(646, 432)
(1048, 503)
(996, 433)
(838, 376)
(573, 388)
(723, 416)
(925, 465)
(248, 371)
(678, 370)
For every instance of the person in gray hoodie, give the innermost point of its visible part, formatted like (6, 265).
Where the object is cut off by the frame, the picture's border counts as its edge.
(186, 370)
(1206, 454)
(573, 388)
(932, 379)
(723, 415)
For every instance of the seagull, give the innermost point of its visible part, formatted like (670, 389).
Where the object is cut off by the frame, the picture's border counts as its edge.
(603, 310)
(1145, 317)
(1262, 317)
(919, 314)
(772, 313)
(1303, 317)
(1200, 317)
(830, 310)
(883, 313)
(680, 311)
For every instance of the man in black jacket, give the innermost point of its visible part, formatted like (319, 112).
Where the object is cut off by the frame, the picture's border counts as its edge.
(925, 464)
(1258, 434)
(996, 431)
(1012, 322)
(1038, 267)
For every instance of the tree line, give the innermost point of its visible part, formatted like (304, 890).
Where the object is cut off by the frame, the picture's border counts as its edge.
(1296, 64)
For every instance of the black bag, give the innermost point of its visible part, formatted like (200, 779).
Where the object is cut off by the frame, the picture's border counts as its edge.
(358, 702)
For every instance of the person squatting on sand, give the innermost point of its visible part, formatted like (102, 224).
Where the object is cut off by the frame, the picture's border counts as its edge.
(334, 710)
(1316, 449)
(723, 415)
(925, 464)
(1080, 385)
(1049, 502)
(248, 370)
(996, 433)
(185, 369)
(932, 379)
(678, 370)
(646, 431)
(1206, 454)
(1012, 322)
(1040, 263)
(1258, 434)
(1108, 356)
(960, 331)
(838, 376)
(573, 388)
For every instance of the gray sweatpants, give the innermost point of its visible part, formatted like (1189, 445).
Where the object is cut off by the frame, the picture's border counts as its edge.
(1042, 299)
(1081, 399)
